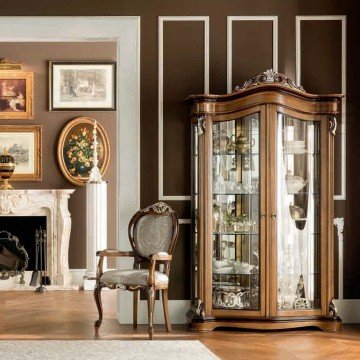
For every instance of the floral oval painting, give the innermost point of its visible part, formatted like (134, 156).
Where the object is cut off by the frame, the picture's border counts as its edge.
(75, 150)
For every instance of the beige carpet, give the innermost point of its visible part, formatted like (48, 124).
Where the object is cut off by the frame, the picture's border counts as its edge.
(104, 349)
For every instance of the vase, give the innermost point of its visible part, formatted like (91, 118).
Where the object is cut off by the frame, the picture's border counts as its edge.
(7, 167)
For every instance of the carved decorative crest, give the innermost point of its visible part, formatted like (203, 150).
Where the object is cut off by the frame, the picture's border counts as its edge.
(333, 310)
(269, 77)
(160, 207)
(200, 308)
(201, 125)
(333, 125)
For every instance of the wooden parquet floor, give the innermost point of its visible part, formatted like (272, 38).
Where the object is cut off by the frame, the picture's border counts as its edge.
(70, 315)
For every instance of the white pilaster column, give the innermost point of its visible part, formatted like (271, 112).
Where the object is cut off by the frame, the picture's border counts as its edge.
(96, 217)
(96, 224)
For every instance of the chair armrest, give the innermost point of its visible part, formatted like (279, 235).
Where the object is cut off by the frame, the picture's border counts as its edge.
(114, 253)
(162, 257)
(109, 253)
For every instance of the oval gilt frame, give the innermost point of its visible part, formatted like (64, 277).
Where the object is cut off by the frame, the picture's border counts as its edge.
(64, 136)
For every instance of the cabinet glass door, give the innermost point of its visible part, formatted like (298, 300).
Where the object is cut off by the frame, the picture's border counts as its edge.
(298, 181)
(236, 210)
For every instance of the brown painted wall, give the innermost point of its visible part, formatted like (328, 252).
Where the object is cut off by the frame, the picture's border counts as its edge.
(183, 68)
(35, 57)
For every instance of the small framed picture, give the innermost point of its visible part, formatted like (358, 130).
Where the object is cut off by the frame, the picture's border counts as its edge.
(23, 142)
(16, 94)
(82, 85)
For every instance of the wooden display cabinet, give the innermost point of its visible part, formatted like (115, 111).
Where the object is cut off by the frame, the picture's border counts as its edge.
(263, 252)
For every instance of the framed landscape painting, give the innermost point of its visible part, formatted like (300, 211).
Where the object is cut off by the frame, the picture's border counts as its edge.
(75, 150)
(87, 85)
(16, 94)
(23, 142)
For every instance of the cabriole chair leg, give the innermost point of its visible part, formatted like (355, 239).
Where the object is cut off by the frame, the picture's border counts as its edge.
(97, 297)
(151, 303)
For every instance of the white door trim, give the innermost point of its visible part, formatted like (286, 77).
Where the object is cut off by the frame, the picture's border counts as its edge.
(125, 31)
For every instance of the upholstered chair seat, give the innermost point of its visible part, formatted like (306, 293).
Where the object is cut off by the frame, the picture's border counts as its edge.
(133, 277)
(153, 233)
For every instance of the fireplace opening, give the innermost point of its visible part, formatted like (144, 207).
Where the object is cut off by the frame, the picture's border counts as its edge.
(24, 228)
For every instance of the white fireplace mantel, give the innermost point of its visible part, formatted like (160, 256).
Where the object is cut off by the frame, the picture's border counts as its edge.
(54, 205)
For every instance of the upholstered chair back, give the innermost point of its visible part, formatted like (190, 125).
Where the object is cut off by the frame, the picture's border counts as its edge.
(153, 230)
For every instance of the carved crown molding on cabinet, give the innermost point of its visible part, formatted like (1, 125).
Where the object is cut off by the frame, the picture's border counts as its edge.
(269, 76)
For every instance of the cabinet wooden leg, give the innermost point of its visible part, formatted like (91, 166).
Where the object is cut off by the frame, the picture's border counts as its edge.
(165, 298)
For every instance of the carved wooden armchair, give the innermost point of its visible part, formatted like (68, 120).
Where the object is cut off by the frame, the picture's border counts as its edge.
(153, 233)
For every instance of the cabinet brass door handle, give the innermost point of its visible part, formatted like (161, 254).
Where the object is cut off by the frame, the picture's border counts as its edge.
(273, 216)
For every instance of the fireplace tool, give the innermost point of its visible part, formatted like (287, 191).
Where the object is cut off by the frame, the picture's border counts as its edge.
(42, 256)
(45, 278)
(35, 274)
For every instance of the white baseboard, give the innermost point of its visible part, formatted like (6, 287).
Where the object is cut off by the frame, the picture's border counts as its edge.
(177, 309)
(77, 276)
(349, 310)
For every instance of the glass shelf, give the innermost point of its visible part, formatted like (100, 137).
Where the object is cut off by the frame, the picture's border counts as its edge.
(307, 153)
(234, 193)
(234, 153)
(235, 274)
(235, 233)
(304, 193)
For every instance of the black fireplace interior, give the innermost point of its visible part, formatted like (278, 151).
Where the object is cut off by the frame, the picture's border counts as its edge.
(24, 227)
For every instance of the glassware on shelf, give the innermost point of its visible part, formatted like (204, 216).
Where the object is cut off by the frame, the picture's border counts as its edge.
(294, 183)
(242, 144)
(233, 171)
(228, 297)
(244, 225)
(296, 212)
(229, 221)
(241, 267)
(294, 147)
(255, 185)
(216, 216)
(219, 184)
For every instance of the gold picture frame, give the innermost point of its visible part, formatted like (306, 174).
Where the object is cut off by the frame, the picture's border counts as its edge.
(16, 94)
(24, 143)
(74, 150)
